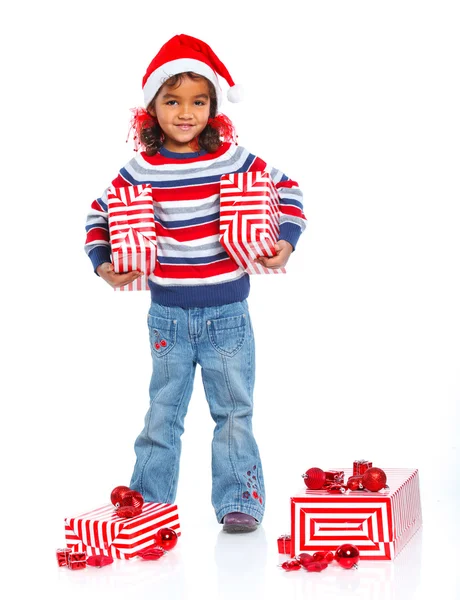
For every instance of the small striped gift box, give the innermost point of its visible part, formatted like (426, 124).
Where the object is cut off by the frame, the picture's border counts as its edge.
(102, 531)
(249, 219)
(132, 232)
(378, 523)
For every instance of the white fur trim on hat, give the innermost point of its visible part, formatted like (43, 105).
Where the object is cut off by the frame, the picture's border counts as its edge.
(181, 65)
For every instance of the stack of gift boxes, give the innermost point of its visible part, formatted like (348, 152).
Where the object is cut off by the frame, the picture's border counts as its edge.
(249, 225)
(379, 523)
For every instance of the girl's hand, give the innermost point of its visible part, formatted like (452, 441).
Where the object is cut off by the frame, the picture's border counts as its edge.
(283, 252)
(106, 271)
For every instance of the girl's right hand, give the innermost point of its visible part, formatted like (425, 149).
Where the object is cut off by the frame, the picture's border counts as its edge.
(107, 273)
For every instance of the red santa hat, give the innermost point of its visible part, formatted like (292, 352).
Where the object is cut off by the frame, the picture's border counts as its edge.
(184, 53)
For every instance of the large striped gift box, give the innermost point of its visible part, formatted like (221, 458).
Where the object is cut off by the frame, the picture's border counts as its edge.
(132, 232)
(102, 531)
(378, 523)
(249, 219)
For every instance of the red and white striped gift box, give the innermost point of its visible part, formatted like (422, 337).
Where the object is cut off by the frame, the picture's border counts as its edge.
(102, 531)
(378, 523)
(132, 232)
(249, 219)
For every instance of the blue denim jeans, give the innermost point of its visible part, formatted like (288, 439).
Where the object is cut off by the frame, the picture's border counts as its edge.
(221, 341)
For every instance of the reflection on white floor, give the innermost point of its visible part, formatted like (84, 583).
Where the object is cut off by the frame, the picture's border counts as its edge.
(208, 563)
(372, 580)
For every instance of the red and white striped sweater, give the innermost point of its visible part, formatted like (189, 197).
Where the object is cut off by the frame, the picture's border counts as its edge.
(192, 268)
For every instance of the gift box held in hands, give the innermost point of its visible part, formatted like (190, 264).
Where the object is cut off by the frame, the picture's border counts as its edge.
(102, 531)
(249, 219)
(132, 232)
(379, 524)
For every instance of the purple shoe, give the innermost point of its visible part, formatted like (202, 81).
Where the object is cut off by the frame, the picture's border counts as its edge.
(237, 522)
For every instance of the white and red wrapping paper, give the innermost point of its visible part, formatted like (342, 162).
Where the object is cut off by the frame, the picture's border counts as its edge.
(249, 219)
(132, 232)
(102, 531)
(378, 523)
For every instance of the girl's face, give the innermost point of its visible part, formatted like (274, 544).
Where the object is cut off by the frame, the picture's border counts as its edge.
(182, 112)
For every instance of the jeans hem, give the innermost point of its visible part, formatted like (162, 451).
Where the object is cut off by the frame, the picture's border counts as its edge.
(243, 508)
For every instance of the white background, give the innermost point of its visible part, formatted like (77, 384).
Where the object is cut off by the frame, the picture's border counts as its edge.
(357, 346)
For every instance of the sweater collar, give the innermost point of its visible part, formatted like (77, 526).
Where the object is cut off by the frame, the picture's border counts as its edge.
(180, 155)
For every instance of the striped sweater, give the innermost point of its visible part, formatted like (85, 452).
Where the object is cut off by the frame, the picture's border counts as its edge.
(192, 268)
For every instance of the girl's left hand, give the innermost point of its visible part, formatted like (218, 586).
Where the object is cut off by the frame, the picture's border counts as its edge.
(283, 252)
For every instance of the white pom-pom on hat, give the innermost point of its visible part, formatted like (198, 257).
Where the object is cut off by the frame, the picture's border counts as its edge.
(235, 93)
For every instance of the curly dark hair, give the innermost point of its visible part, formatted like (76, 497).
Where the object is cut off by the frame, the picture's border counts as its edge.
(209, 139)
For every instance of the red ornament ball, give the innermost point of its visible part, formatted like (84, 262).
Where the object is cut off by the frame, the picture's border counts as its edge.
(323, 555)
(117, 493)
(374, 479)
(291, 565)
(130, 504)
(347, 556)
(355, 483)
(166, 538)
(314, 478)
(305, 559)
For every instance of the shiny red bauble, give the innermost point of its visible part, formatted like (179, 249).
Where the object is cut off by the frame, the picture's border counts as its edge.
(347, 556)
(116, 495)
(323, 555)
(305, 559)
(291, 565)
(355, 483)
(314, 478)
(166, 538)
(130, 504)
(374, 479)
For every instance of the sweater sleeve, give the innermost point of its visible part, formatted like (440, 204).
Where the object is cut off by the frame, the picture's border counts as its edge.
(292, 220)
(97, 244)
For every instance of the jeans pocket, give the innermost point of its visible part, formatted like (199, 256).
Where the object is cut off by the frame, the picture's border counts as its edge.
(227, 334)
(163, 334)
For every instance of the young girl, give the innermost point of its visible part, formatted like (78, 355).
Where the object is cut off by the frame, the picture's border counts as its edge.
(199, 312)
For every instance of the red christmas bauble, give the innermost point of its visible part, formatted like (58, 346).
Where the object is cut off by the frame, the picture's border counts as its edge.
(132, 498)
(355, 483)
(117, 492)
(130, 504)
(323, 555)
(314, 478)
(291, 565)
(304, 559)
(374, 479)
(347, 555)
(166, 538)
